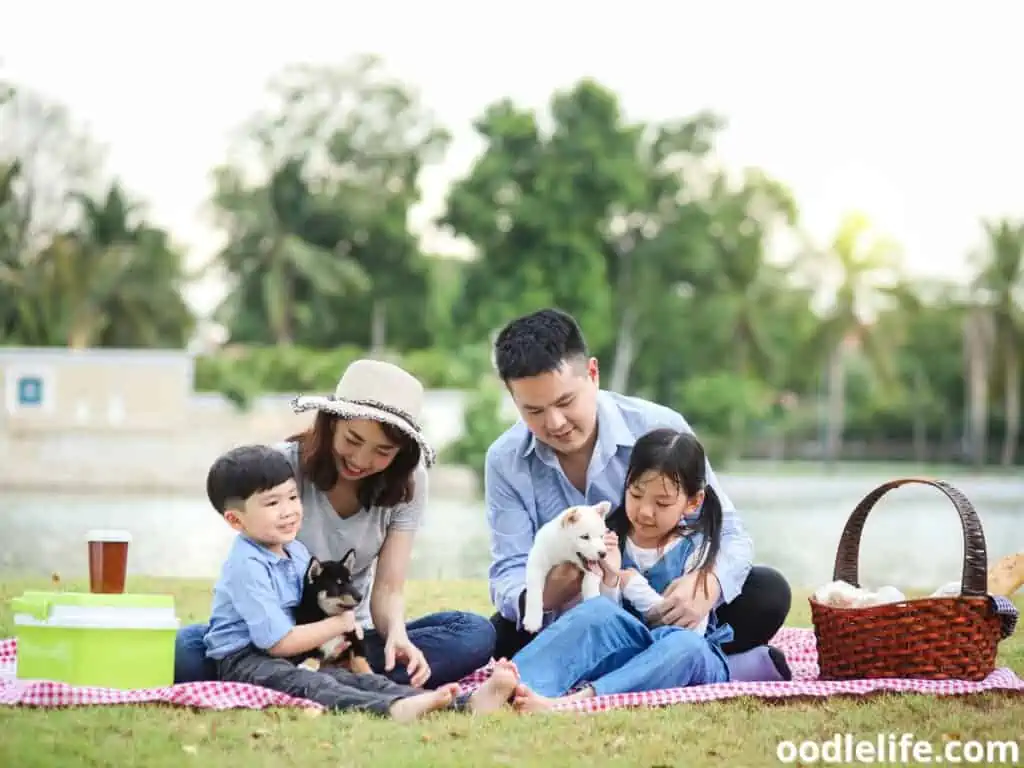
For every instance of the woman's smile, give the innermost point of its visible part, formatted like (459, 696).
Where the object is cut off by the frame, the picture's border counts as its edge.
(350, 471)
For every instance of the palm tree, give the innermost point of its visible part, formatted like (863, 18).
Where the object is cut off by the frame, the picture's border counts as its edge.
(997, 332)
(265, 256)
(745, 285)
(854, 274)
(107, 280)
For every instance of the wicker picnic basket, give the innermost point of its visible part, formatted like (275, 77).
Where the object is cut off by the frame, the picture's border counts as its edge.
(934, 638)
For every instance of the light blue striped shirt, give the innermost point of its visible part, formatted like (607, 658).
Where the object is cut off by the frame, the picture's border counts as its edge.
(525, 487)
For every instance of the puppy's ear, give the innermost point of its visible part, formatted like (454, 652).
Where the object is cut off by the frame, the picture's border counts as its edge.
(603, 508)
(314, 570)
(349, 560)
(572, 518)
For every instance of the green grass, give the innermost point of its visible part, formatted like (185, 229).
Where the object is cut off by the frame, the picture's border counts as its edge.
(741, 732)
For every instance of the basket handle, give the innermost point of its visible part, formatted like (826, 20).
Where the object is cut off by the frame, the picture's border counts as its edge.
(973, 581)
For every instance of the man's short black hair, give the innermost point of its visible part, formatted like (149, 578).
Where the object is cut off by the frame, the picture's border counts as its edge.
(538, 343)
(243, 472)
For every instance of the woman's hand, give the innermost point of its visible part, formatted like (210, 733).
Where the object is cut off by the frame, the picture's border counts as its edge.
(399, 648)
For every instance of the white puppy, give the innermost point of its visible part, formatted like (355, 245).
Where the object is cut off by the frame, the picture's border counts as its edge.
(576, 536)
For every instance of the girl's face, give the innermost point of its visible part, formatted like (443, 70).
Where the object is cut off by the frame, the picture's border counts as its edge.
(655, 505)
(361, 448)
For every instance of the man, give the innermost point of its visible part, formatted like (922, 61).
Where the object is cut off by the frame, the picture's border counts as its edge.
(572, 447)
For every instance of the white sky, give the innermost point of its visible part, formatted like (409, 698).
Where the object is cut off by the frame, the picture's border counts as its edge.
(904, 110)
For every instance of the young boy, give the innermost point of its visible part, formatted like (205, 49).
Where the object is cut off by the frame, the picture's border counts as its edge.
(252, 635)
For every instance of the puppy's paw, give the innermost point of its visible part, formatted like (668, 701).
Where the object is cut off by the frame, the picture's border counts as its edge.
(333, 647)
(531, 623)
(312, 664)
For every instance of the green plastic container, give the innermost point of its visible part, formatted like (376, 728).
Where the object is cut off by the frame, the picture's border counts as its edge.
(109, 641)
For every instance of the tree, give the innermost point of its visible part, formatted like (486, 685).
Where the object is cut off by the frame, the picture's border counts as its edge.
(344, 148)
(657, 231)
(55, 158)
(268, 260)
(534, 206)
(997, 330)
(853, 273)
(113, 279)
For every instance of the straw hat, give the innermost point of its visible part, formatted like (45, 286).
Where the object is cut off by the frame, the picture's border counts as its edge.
(373, 389)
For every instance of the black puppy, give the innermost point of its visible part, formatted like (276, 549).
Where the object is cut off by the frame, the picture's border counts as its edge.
(328, 591)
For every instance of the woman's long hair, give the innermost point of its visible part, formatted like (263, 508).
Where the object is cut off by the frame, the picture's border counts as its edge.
(679, 457)
(392, 486)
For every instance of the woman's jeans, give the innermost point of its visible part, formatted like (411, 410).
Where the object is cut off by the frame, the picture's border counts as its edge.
(600, 643)
(454, 643)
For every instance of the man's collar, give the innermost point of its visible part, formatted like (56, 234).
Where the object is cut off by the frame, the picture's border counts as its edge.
(612, 431)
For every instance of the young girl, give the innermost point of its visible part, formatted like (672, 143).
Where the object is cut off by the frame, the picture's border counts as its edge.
(669, 525)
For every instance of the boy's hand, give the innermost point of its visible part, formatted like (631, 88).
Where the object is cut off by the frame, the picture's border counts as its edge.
(345, 623)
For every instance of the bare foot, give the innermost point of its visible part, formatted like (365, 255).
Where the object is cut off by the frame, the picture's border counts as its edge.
(527, 700)
(414, 707)
(495, 692)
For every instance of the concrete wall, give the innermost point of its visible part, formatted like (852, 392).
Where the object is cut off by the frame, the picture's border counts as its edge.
(127, 420)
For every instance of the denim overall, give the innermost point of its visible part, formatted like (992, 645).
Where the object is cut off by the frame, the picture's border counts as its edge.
(609, 647)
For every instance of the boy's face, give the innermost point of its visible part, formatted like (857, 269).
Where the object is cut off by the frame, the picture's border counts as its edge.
(270, 517)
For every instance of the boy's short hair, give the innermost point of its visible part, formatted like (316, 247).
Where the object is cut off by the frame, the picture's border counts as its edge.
(240, 473)
(538, 343)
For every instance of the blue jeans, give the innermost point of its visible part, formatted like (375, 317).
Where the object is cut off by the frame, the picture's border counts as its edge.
(454, 643)
(603, 644)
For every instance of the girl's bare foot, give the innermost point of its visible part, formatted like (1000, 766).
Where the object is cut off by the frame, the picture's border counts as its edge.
(414, 707)
(495, 692)
(527, 700)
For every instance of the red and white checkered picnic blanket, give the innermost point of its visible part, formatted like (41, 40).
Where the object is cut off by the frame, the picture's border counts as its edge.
(798, 645)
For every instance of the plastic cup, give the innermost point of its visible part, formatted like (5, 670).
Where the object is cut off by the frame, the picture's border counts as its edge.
(108, 560)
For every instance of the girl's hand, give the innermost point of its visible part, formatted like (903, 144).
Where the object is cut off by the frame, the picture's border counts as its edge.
(399, 648)
(613, 560)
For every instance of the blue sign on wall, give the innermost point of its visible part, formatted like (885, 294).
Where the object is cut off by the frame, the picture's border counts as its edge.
(30, 391)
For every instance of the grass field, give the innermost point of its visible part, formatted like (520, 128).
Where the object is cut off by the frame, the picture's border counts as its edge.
(736, 733)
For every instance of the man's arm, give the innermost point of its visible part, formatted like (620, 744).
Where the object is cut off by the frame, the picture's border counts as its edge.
(512, 533)
(736, 551)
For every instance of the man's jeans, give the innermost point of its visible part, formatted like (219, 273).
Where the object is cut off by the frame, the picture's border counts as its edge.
(454, 643)
(600, 643)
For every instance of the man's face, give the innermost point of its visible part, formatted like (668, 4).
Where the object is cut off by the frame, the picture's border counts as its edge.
(560, 408)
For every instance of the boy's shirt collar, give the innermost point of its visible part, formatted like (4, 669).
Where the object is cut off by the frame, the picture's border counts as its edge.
(292, 548)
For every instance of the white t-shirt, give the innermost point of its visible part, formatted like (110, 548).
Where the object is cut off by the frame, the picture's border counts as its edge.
(329, 537)
(638, 591)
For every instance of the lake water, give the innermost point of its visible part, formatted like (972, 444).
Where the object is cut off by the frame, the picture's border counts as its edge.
(911, 539)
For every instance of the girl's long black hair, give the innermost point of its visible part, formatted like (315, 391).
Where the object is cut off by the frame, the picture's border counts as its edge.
(678, 456)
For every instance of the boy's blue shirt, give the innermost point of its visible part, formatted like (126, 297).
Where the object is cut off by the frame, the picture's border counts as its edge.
(254, 597)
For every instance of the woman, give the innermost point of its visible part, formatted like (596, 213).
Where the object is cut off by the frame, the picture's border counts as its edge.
(362, 474)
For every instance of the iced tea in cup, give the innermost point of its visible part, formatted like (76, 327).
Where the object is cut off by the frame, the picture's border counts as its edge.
(108, 561)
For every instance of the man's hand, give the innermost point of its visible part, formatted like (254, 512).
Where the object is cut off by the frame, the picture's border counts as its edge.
(684, 603)
(563, 584)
